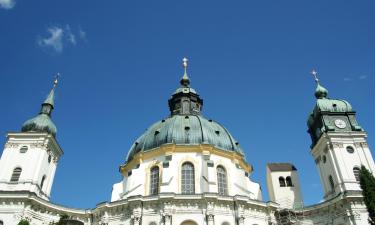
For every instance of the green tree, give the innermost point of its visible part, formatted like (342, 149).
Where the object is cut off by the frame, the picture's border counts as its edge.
(24, 222)
(367, 181)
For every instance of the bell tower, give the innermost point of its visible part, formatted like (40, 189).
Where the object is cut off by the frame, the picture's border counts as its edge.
(30, 157)
(339, 144)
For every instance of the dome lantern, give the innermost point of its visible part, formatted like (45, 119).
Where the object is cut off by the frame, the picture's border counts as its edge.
(185, 100)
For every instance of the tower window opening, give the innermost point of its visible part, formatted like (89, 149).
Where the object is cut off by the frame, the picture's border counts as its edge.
(49, 158)
(282, 181)
(222, 183)
(23, 149)
(331, 183)
(324, 159)
(187, 178)
(16, 174)
(356, 172)
(42, 182)
(154, 180)
(289, 181)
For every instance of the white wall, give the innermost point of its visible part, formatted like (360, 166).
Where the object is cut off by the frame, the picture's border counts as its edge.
(205, 177)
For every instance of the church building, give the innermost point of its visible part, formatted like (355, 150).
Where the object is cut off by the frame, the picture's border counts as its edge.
(186, 169)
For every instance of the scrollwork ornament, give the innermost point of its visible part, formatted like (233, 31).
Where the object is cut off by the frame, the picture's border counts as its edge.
(210, 217)
(338, 145)
(357, 145)
(364, 145)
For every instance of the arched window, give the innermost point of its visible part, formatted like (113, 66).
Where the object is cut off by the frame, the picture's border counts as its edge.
(282, 181)
(356, 172)
(16, 174)
(1, 222)
(331, 183)
(289, 181)
(154, 180)
(222, 180)
(189, 222)
(42, 182)
(187, 178)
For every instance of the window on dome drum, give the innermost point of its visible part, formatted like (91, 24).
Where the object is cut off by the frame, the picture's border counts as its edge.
(23, 149)
(331, 183)
(356, 172)
(42, 182)
(187, 178)
(154, 180)
(289, 181)
(282, 181)
(222, 181)
(16, 174)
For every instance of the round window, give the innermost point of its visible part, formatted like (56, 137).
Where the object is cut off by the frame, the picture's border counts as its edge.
(350, 149)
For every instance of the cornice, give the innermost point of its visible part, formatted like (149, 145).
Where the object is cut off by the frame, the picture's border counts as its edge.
(169, 149)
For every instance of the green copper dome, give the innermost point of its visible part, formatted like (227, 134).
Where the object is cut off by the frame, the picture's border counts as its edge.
(185, 125)
(43, 121)
(40, 123)
(185, 130)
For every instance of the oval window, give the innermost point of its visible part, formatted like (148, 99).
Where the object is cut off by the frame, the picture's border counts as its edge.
(350, 149)
(23, 149)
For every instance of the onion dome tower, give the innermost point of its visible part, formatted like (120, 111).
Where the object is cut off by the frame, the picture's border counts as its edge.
(43, 122)
(339, 144)
(330, 114)
(185, 153)
(30, 157)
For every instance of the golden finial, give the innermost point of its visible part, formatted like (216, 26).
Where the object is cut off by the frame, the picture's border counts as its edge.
(185, 64)
(185, 79)
(315, 74)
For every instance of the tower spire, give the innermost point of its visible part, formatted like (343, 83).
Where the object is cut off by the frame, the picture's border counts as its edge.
(185, 79)
(51, 96)
(320, 91)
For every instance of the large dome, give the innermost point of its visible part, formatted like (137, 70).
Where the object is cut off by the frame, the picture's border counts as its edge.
(185, 130)
(185, 125)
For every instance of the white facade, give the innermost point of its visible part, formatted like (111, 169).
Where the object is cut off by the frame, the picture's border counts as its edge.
(205, 166)
(337, 155)
(195, 183)
(284, 186)
(36, 155)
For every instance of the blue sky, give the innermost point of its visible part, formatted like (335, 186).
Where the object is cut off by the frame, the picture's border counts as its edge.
(121, 60)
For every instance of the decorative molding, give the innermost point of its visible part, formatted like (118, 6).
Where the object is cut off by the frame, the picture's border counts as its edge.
(364, 145)
(337, 145)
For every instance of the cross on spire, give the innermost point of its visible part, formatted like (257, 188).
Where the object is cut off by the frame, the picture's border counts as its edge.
(56, 79)
(315, 74)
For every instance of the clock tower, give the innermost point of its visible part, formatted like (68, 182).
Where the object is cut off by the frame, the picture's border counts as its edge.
(339, 144)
